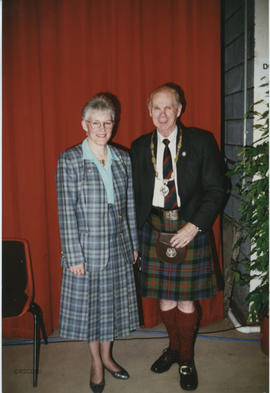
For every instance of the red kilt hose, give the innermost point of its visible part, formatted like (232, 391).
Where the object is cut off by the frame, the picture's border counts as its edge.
(193, 279)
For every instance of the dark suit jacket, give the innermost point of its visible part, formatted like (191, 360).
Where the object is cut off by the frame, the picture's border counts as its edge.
(200, 177)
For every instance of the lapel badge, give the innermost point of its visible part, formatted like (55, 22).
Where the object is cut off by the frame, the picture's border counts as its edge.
(184, 154)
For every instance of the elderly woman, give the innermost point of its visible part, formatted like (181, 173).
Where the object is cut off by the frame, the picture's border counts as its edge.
(99, 241)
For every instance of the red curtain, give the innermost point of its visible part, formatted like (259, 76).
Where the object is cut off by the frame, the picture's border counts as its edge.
(56, 55)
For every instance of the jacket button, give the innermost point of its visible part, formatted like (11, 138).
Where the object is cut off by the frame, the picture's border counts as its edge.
(120, 217)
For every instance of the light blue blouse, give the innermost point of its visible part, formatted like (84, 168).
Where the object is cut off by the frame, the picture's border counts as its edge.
(106, 174)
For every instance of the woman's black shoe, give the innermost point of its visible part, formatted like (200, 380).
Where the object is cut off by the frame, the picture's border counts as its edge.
(97, 387)
(121, 374)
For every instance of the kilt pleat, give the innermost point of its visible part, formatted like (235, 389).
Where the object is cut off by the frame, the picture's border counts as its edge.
(193, 279)
(110, 309)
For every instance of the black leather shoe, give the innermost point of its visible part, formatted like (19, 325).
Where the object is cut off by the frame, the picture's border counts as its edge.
(121, 374)
(97, 387)
(164, 362)
(188, 375)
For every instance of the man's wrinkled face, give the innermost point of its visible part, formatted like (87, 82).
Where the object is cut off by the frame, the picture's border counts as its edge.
(164, 111)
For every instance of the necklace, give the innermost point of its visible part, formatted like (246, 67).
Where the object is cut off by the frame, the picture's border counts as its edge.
(164, 189)
(102, 160)
(103, 163)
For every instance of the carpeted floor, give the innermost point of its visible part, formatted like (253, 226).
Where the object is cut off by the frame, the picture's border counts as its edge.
(227, 362)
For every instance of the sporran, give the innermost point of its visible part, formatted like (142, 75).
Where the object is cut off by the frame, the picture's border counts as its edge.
(165, 252)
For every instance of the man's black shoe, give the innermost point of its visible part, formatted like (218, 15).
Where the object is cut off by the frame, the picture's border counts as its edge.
(164, 362)
(188, 375)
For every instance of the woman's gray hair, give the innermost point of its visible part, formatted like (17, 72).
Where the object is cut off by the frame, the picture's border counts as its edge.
(100, 102)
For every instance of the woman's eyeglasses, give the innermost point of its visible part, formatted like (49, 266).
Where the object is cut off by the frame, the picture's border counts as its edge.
(96, 124)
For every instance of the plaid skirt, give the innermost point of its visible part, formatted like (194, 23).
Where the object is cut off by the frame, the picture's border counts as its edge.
(192, 279)
(100, 306)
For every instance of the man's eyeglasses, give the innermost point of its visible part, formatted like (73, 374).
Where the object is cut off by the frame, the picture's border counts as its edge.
(96, 124)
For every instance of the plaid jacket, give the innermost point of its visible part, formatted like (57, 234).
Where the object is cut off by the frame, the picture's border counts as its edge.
(82, 209)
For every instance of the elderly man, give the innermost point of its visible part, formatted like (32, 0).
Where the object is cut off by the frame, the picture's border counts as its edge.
(179, 189)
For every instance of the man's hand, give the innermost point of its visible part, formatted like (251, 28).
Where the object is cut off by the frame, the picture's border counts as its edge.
(184, 235)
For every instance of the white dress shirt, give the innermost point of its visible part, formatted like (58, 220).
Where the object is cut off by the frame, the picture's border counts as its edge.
(158, 198)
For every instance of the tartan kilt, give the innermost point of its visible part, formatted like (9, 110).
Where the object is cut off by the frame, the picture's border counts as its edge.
(192, 279)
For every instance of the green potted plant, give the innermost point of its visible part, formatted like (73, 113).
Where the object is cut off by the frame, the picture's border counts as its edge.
(252, 186)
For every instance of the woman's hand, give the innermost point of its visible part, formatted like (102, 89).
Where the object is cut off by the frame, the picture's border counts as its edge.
(184, 235)
(78, 269)
(135, 253)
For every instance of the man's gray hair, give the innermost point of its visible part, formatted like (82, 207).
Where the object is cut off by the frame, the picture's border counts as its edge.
(174, 88)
